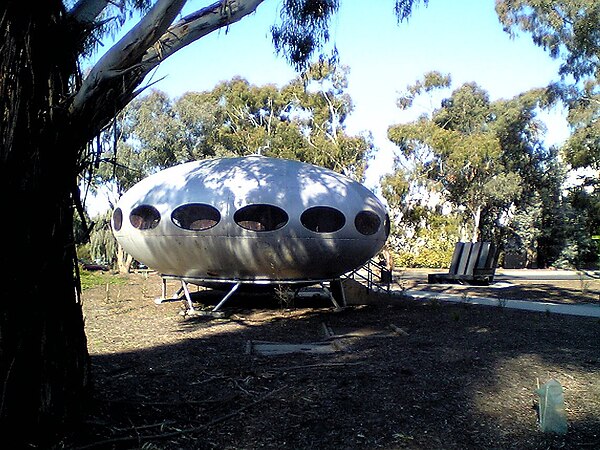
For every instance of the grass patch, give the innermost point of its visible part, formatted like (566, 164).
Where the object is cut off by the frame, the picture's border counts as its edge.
(92, 279)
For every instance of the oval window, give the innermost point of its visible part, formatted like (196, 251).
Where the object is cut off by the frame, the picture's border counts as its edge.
(323, 219)
(367, 222)
(144, 217)
(196, 216)
(117, 219)
(260, 217)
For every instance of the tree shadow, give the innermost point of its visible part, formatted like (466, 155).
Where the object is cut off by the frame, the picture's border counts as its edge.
(459, 376)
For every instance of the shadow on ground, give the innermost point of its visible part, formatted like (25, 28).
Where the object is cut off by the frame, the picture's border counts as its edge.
(405, 375)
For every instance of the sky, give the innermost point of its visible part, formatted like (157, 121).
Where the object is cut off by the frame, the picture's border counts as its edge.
(462, 37)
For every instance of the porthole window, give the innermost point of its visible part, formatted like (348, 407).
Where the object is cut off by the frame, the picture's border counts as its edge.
(117, 219)
(323, 219)
(144, 217)
(195, 216)
(367, 222)
(260, 217)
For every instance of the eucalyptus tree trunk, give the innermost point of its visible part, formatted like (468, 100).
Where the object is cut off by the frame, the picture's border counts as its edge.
(476, 223)
(43, 351)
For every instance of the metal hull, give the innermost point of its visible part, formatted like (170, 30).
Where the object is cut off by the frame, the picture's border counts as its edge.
(226, 250)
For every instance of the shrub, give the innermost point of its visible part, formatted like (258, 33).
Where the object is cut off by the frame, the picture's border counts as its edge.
(439, 258)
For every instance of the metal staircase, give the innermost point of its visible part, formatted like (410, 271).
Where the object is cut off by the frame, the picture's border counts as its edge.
(376, 277)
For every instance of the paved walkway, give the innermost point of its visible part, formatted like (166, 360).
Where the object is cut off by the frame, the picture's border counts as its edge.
(511, 274)
(556, 308)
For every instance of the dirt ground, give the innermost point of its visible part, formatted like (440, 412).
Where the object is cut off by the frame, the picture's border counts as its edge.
(395, 374)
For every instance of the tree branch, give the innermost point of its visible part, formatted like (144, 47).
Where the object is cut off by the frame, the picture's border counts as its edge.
(113, 81)
(128, 51)
(86, 11)
(197, 25)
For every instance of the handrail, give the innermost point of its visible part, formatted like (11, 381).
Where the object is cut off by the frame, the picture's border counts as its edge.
(374, 281)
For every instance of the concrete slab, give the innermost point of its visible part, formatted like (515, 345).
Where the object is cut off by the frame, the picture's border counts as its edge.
(283, 348)
(545, 307)
(508, 274)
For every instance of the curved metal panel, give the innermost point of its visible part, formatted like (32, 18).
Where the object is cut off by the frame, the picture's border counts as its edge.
(229, 251)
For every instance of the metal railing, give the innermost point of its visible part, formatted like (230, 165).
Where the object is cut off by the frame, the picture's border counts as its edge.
(375, 275)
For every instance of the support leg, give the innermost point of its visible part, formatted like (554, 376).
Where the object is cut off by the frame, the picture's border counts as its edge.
(186, 291)
(229, 294)
(163, 297)
(337, 293)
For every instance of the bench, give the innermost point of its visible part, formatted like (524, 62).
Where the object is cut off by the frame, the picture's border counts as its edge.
(472, 263)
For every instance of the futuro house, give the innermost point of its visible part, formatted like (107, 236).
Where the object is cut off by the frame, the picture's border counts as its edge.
(250, 219)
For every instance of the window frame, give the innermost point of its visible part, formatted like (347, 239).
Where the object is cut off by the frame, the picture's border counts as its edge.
(247, 209)
(211, 208)
(318, 211)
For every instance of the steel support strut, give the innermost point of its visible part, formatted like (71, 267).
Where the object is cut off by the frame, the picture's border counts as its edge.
(229, 294)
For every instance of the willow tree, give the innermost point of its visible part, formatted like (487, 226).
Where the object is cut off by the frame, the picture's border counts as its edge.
(49, 111)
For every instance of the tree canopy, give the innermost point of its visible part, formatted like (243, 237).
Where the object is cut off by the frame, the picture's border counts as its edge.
(484, 157)
(568, 30)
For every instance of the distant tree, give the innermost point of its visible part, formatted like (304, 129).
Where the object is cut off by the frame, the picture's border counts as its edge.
(547, 194)
(581, 213)
(152, 133)
(463, 156)
(302, 120)
(50, 111)
(570, 31)
(533, 220)
(421, 235)
(103, 245)
(582, 149)
(395, 188)
(484, 157)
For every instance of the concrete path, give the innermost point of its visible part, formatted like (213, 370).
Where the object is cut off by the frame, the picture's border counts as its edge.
(511, 274)
(556, 308)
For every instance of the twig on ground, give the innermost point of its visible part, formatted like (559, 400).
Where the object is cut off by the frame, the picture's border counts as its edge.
(186, 430)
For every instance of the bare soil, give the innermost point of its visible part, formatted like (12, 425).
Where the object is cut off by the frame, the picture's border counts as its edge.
(396, 374)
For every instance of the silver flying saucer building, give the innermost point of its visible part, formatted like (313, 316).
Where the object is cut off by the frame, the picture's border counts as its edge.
(250, 220)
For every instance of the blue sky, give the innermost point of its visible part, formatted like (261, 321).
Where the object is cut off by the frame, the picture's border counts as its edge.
(463, 38)
(460, 37)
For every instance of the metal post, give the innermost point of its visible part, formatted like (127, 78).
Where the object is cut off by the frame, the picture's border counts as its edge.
(229, 294)
(187, 295)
